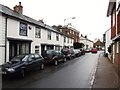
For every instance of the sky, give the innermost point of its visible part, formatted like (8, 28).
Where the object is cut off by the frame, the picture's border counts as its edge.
(90, 15)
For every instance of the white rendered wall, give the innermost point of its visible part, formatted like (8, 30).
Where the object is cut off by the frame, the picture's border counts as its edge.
(2, 39)
(108, 40)
(13, 27)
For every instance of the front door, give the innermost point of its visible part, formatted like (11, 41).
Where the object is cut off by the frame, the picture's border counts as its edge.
(13, 50)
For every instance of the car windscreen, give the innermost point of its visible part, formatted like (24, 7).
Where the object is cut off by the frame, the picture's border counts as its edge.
(20, 58)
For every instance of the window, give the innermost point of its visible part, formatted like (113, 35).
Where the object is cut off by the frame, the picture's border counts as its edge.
(31, 58)
(113, 21)
(73, 32)
(68, 40)
(64, 39)
(38, 32)
(37, 56)
(71, 40)
(23, 29)
(117, 47)
(57, 37)
(57, 47)
(49, 35)
(36, 49)
(24, 48)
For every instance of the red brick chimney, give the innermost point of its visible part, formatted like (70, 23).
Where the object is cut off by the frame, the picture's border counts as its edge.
(18, 8)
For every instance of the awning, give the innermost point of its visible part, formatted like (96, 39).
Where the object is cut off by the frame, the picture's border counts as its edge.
(19, 39)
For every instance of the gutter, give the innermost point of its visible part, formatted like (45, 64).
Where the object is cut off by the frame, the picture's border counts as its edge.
(5, 37)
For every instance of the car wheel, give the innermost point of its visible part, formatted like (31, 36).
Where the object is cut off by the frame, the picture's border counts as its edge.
(22, 72)
(64, 60)
(56, 63)
(42, 66)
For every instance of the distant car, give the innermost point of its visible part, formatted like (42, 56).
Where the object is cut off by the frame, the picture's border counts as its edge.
(94, 50)
(53, 56)
(82, 51)
(68, 52)
(88, 50)
(77, 52)
(22, 63)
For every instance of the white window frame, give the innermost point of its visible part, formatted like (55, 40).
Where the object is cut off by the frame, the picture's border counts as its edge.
(49, 35)
(37, 49)
(64, 39)
(57, 37)
(23, 29)
(117, 51)
(68, 40)
(37, 32)
(113, 21)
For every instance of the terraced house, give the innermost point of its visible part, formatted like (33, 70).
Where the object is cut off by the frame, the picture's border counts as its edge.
(114, 12)
(20, 34)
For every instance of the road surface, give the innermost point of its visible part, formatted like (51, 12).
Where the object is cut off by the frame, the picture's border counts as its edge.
(75, 73)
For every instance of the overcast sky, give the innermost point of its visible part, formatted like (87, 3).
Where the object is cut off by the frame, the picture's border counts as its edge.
(90, 15)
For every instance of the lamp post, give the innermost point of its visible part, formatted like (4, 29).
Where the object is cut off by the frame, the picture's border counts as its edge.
(68, 18)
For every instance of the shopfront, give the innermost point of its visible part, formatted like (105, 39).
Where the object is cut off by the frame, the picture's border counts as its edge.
(17, 47)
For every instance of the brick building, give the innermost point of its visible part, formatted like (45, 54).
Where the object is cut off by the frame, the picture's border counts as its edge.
(98, 44)
(72, 32)
(114, 12)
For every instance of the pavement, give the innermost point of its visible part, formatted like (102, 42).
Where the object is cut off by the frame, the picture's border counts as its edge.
(106, 76)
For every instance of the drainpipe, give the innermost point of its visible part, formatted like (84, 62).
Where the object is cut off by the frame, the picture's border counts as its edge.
(6, 38)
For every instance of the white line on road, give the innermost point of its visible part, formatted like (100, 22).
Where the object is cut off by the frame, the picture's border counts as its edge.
(92, 78)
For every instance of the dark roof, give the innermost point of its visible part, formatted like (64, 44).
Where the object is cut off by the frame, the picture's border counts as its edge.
(7, 11)
(111, 7)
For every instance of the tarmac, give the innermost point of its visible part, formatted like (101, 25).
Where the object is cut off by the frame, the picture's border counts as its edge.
(106, 76)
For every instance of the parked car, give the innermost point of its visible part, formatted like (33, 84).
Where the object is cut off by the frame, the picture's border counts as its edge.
(82, 51)
(53, 56)
(68, 52)
(87, 50)
(77, 52)
(22, 63)
(94, 50)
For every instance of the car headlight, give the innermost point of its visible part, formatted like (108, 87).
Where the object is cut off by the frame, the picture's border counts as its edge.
(11, 69)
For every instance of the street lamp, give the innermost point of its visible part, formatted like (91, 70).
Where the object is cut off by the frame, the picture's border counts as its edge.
(68, 18)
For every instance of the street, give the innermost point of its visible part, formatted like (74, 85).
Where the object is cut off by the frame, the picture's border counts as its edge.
(75, 73)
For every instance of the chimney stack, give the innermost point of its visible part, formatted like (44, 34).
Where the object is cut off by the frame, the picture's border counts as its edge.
(18, 8)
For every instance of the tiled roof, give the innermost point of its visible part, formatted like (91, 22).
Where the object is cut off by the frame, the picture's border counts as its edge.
(6, 10)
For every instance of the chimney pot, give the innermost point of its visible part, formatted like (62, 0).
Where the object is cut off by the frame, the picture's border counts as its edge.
(18, 8)
(19, 3)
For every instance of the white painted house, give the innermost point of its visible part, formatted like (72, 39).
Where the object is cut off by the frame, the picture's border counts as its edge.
(88, 44)
(20, 34)
(108, 40)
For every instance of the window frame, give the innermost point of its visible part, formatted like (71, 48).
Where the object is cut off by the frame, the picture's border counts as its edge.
(57, 37)
(23, 29)
(64, 39)
(37, 34)
(49, 35)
